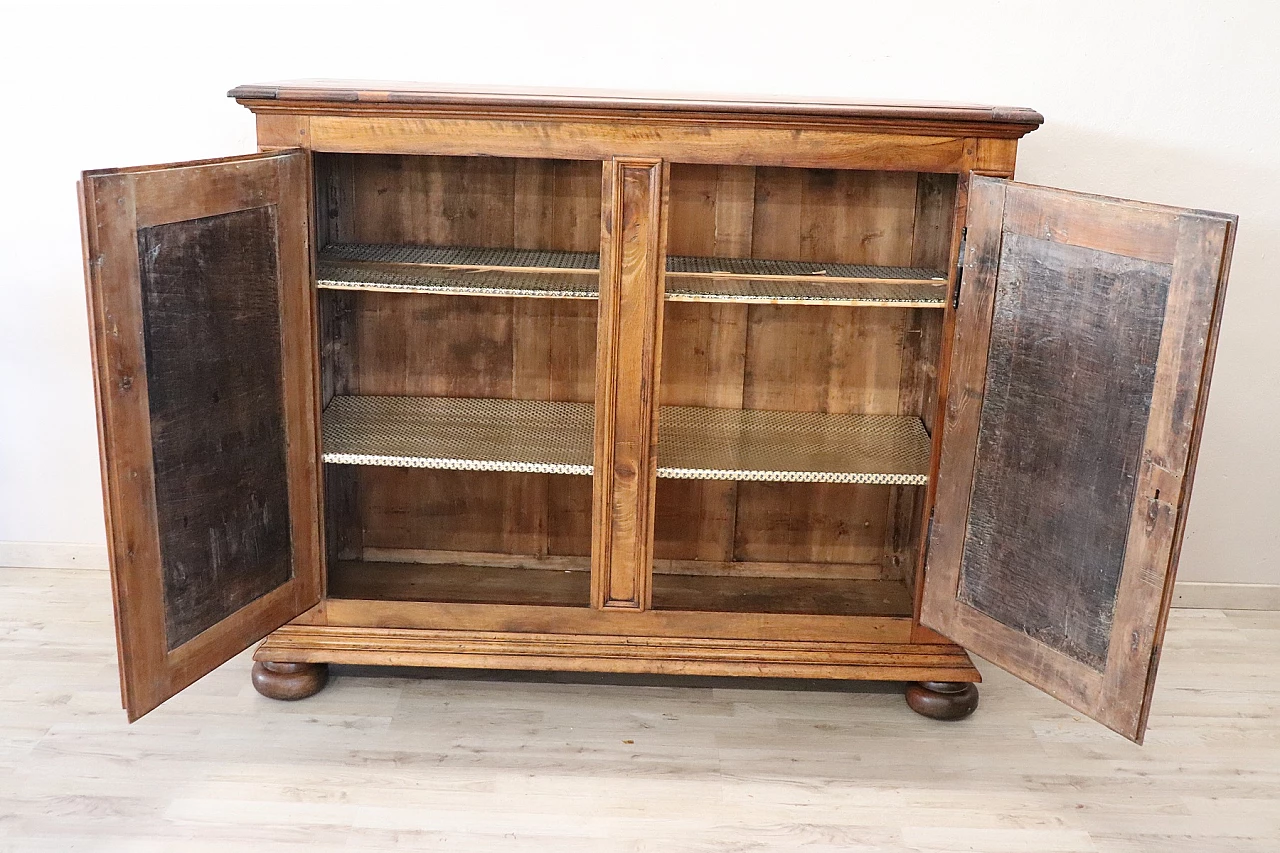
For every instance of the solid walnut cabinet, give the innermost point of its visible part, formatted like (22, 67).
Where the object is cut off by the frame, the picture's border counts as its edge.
(558, 380)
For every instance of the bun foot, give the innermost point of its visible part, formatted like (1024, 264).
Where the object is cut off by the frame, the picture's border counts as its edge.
(943, 700)
(289, 681)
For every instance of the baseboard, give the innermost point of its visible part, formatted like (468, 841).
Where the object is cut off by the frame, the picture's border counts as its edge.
(1189, 594)
(53, 555)
(1226, 596)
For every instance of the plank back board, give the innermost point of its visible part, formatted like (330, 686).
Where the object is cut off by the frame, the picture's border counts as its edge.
(800, 358)
(206, 409)
(463, 346)
(1084, 342)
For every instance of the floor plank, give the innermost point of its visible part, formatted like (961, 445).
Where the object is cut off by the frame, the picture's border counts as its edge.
(472, 761)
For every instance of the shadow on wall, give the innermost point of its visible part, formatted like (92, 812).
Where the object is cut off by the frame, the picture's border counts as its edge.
(1231, 536)
(1210, 178)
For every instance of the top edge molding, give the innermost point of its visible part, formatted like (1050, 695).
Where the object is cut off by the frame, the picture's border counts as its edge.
(353, 92)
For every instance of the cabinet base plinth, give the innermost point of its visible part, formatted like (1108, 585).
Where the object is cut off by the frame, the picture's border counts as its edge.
(289, 681)
(943, 700)
(618, 653)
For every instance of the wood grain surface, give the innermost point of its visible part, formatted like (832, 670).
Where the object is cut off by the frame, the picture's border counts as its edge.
(993, 119)
(801, 358)
(210, 289)
(116, 206)
(418, 344)
(1074, 340)
(632, 262)
(1124, 358)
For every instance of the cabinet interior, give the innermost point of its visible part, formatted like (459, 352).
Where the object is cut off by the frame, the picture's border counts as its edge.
(458, 308)
(840, 536)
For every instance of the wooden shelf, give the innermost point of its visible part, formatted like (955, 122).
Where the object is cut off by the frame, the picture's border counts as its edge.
(479, 434)
(472, 271)
(455, 583)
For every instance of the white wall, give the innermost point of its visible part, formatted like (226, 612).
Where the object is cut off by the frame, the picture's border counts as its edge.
(1174, 102)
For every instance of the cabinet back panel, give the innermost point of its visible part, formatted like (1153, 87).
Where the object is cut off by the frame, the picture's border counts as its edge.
(811, 522)
(824, 359)
(834, 216)
(792, 358)
(823, 215)
(472, 346)
(475, 511)
(719, 521)
(492, 202)
(801, 358)
(417, 344)
(789, 357)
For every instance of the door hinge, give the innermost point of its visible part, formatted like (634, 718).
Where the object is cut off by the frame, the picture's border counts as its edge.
(964, 237)
(928, 539)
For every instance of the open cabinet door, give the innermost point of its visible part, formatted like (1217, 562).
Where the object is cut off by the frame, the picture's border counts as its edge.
(198, 280)
(1084, 341)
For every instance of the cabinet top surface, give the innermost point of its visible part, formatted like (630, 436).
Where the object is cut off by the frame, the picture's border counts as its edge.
(539, 98)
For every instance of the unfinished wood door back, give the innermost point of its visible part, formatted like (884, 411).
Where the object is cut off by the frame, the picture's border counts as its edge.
(1084, 342)
(199, 292)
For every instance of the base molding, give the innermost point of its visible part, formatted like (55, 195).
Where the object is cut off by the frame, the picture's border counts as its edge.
(53, 555)
(615, 653)
(1226, 596)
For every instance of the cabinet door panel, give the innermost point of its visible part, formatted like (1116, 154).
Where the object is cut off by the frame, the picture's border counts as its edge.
(1084, 342)
(199, 294)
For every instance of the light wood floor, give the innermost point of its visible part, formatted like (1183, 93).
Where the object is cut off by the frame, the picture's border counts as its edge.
(479, 761)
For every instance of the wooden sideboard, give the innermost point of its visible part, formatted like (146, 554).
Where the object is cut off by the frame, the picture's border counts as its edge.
(526, 379)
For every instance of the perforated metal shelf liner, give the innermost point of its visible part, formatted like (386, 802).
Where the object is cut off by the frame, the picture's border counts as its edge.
(793, 269)
(461, 256)
(459, 282)
(697, 443)
(781, 291)
(694, 443)
(574, 275)
(460, 433)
